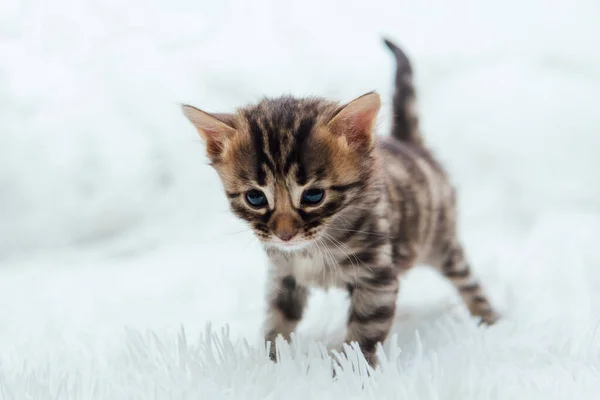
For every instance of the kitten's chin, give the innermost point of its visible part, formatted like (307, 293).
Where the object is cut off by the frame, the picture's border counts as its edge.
(289, 246)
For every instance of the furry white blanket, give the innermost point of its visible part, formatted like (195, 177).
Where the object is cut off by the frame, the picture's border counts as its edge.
(448, 360)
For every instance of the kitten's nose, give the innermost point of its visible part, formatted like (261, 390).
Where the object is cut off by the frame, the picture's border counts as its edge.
(285, 227)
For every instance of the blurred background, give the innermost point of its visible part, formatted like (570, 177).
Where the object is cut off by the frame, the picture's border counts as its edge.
(111, 217)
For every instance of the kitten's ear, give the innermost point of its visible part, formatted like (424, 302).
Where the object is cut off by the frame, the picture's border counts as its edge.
(215, 129)
(355, 121)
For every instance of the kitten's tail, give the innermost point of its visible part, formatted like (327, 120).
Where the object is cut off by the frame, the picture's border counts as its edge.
(405, 125)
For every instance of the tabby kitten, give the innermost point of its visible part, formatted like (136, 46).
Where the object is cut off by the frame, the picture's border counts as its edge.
(334, 205)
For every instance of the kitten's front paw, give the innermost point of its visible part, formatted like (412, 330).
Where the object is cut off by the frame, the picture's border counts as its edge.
(272, 349)
(370, 357)
(489, 318)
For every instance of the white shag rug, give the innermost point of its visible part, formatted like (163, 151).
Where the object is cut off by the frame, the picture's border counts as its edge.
(117, 249)
(449, 362)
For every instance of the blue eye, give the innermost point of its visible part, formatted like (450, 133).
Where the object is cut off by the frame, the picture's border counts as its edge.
(256, 198)
(312, 197)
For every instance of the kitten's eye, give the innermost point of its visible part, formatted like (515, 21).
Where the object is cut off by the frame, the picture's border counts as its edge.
(256, 198)
(312, 197)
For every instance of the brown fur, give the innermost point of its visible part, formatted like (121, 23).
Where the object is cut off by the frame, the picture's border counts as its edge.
(387, 203)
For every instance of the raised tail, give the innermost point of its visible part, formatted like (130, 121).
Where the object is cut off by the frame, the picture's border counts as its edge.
(405, 125)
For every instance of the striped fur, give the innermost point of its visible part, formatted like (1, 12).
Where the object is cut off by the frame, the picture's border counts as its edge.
(387, 204)
(405, 119)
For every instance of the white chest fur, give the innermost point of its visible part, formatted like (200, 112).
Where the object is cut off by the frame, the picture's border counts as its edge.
(310, 269)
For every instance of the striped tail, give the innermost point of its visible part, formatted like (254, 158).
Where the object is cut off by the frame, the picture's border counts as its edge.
(405, 125)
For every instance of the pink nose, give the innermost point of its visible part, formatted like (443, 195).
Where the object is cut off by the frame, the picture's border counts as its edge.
(285, 227)
(288, 235)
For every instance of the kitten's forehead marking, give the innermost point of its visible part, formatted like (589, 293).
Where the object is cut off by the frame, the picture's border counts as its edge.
(279, 129)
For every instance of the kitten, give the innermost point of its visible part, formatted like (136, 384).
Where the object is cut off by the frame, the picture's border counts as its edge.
(334, 205)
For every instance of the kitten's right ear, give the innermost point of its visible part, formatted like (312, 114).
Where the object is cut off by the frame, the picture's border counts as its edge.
(215, 129)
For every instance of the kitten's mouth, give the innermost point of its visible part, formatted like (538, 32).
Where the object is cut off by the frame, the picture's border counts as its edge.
(292, 245)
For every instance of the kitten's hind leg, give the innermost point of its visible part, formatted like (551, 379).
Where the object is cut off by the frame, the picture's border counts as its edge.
(286, 303)
(454, 266)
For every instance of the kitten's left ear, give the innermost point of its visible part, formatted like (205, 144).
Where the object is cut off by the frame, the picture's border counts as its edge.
(215, 129)
(355, 121)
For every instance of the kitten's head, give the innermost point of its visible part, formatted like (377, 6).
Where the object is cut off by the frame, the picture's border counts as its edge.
(289, 165)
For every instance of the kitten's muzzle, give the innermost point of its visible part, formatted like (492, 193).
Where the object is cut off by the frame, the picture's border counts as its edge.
(285, 227)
